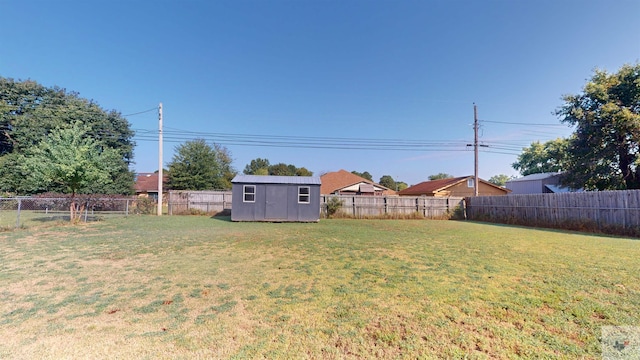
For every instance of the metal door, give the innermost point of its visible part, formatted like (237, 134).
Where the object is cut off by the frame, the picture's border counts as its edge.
(276, 207)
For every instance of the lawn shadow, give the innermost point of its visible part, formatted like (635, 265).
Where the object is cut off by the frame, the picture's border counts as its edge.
(224, 215)
(555, 230)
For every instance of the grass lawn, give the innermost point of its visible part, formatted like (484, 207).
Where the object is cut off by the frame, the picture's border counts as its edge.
(196, 287)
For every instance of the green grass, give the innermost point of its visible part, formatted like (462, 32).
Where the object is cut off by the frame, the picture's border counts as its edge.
(200, 287)
(30, 218)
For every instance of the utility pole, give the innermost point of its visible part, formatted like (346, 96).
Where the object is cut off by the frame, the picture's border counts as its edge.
(475, 148)
(160, 160)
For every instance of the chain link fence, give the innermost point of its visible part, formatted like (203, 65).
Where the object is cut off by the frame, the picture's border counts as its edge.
(19, 212)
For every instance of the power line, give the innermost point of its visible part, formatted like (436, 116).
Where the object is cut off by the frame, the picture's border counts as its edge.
(520, 123)
(284, 141)
(142, 112)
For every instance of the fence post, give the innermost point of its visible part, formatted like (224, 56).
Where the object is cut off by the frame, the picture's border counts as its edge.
(385, 206)
(18, 217)
(353, 201)
(86, 210)
(126, 212)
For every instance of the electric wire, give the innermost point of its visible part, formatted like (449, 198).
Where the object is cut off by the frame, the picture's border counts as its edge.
(173, 135)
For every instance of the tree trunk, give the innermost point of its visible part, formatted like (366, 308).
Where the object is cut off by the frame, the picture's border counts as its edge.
(72, 208)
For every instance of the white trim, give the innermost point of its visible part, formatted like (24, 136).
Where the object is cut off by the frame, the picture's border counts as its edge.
(245, 193)
(302, 195)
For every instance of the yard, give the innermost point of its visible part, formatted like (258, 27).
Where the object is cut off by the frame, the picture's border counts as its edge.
(200, 287)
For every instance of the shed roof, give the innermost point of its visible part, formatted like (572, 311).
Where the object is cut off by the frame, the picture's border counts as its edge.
(534, 177)
(273, 179)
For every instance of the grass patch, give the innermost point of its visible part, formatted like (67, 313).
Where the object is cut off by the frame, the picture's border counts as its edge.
(184, 287)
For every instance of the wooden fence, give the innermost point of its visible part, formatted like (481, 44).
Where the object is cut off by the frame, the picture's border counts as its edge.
(363, 206)
(605, 211)
(360, 206)
(194, 202)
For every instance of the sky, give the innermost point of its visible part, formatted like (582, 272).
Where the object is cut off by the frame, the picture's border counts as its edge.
(387, 87)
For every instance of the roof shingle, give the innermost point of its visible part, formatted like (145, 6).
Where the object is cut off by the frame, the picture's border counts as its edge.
(334, 181)
(430, 187)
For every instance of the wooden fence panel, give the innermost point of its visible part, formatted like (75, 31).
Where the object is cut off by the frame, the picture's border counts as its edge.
(185, 202)
(600, 209)
(363, 206)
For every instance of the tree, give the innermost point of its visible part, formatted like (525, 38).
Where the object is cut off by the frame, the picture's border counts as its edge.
(388, 182)
(500, 179)
(303, 172)
(257, 167)
(401, 185)
(71, 160)
(440, 176)
(552, 156)
(365, 175)
(29, 112)
(281, 169)
(198, 166)
(604, 152)
(260, 166)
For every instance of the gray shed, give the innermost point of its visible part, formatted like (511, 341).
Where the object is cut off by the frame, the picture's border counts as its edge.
(275, 198)
(542, 183)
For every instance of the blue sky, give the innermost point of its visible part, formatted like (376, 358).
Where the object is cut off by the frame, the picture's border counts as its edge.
(401, 72)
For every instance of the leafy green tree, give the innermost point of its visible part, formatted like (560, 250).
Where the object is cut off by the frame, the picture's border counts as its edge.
(257, 166)
(262, 171)
(260, 166)
(29, 112)
(401, 185)
(70, 160)
(500, 179)
(198, 166)
(281, 169)
(365, 175)
(440, 176)
(388, 182)
(303, 172)
(552, 156)
(604, 152)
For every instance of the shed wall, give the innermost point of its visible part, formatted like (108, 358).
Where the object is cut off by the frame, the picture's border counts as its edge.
(275, 202)
(525, 187)
(531, 186)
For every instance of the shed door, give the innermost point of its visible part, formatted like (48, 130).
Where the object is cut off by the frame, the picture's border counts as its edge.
(276, 207)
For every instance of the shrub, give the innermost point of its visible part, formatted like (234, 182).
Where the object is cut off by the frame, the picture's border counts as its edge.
(145, 206)
(457, 213)
(333, 205)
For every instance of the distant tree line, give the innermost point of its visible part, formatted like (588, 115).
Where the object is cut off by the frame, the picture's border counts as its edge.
(261, 166)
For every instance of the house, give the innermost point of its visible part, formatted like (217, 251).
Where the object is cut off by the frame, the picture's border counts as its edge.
(458, 187)
(146, 185)
(275, 198)
(345, 183)
(542, 183)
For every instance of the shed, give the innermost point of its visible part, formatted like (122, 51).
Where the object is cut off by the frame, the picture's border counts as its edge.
(541, 183)
(275, 198)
